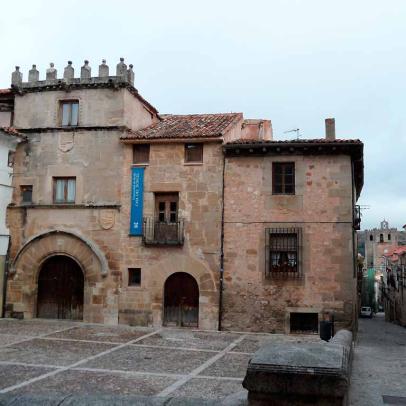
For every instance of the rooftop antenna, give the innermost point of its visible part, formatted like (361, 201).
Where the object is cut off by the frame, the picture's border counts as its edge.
(295, 130)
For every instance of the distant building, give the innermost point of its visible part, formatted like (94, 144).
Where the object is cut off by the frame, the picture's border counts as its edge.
(196, 220)
(9, 139)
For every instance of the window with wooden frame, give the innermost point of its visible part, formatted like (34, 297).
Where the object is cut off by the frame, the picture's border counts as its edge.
(69, 113)
(166, 207)
(64, 190)
(283, 178)
(141, 154)
(283, 252)
(134, 276)
(26, 194)
(194, 153)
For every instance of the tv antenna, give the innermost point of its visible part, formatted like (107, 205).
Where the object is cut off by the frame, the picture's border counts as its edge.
(295, 130)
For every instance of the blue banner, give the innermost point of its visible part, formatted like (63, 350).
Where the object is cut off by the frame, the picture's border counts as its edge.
(137, 198)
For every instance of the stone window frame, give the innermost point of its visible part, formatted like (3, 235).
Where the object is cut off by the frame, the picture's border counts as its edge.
(66, 179)
(283, 275)
(63, 102)
(187, 159)
(284, 185)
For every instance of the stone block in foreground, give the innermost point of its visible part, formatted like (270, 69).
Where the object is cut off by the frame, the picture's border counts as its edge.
(301, 373)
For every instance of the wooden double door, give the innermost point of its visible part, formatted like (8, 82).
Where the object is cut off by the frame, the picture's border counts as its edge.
(60, 289)
(181, 301)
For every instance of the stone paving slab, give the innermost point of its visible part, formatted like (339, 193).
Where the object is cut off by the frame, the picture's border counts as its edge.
(211, 388)
(191, 339)
(230, 365)
(114, 334)
(50, 352)
(157, 360)
(13, 374)
(6, 339)
(90, 383)
(32, 328)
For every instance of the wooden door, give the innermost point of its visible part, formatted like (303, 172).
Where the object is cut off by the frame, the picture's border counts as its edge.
(60, 289)
(181, 301)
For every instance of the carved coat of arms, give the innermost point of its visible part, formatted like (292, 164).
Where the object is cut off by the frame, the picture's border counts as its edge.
(107, 218)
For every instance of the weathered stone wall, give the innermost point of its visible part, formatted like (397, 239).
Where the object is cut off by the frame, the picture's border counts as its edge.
(322, 207)
(95, 158)
(199, 187)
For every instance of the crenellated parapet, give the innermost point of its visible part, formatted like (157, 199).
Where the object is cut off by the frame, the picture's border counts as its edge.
(124, 77)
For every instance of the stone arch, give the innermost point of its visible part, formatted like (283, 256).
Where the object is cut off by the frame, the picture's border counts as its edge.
(52, 249)
(204, 276)
(24, 271)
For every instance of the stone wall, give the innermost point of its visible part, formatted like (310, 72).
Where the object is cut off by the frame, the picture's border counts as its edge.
(322, 208)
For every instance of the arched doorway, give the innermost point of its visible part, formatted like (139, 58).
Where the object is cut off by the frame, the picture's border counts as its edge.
(181, 301)
(60, 289)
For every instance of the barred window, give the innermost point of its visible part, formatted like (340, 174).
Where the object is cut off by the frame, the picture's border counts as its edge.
(283, 252)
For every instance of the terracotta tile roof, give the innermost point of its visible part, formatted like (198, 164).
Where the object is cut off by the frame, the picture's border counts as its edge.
(298, 142)
(186, 126)
(11, 131)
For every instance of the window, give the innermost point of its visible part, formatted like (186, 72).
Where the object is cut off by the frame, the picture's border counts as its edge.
(283, 178)
(166, 207)
(304, 322)
(70, 113)
(380, 237)
(193, 153)
(389, 237)
(371, 237)
(134, 276)
(64, 190)
(26, 193)
(10, 162)
(141, 153)
(283, 252)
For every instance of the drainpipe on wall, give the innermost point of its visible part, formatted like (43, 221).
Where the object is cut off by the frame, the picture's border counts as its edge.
(221, 276)
(5, 277)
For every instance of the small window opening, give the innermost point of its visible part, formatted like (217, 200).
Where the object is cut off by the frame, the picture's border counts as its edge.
(26, 193)
(304, 323)
(64, 190)
(194, 153)
(70, 113)
(10, 162)
(141, 153)
(389, 237)
(381, 238)
(134, 276)
(371, 237)
(283, 178)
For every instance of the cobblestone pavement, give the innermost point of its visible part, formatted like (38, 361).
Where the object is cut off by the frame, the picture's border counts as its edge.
(379, 367)
(45, 360)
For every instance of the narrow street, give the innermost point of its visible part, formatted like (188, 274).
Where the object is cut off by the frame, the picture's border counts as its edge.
(379, 367)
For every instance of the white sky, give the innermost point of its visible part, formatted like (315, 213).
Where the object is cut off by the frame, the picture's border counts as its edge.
(295, 62)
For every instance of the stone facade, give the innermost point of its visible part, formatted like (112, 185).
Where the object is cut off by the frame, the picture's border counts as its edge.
(223, 201)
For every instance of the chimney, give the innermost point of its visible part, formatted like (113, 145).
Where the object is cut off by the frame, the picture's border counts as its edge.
(330, 129)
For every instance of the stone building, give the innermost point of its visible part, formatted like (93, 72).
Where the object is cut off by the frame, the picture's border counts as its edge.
(177, 220)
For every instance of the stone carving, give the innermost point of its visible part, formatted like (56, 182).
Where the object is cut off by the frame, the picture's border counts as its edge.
(107, 218)
(103, 69)
(69, 72)
(86, 71)
(121, 69)
(16, 77)
(51, 72)
(33, 74)
(130, 74)
(66, 142)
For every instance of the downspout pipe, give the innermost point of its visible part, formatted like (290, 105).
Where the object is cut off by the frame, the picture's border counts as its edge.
(5, 277)
(221, 275)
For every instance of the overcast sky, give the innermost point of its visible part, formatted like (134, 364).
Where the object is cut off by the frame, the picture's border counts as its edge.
(295, 62)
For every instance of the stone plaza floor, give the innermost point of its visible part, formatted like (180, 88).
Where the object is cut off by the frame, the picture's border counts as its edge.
(49, 362)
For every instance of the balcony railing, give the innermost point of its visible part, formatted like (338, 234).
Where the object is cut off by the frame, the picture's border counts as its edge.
(357, 218)
(162, 233)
